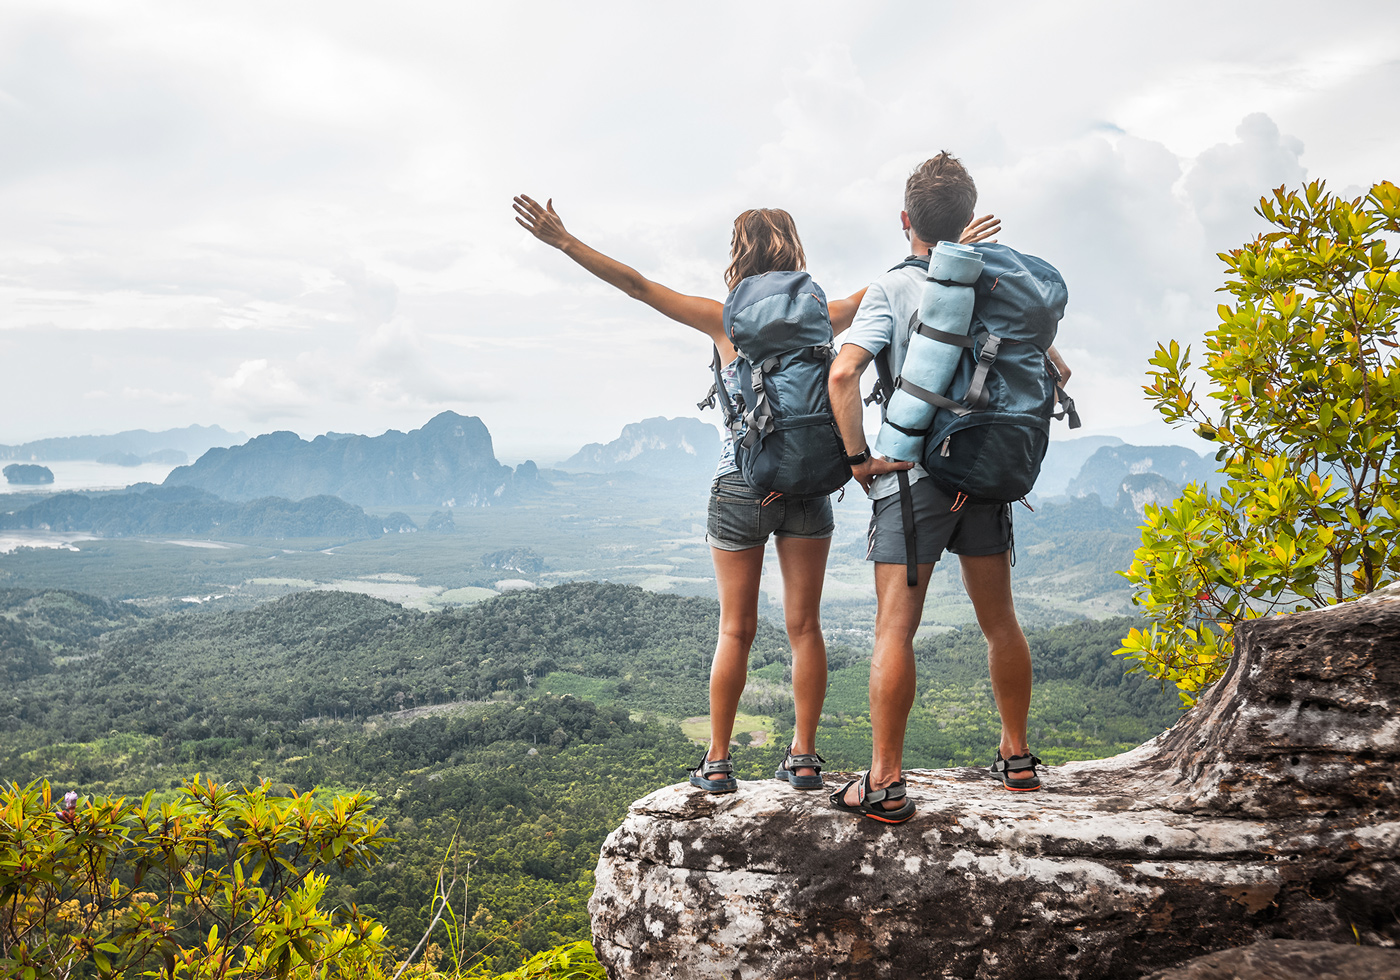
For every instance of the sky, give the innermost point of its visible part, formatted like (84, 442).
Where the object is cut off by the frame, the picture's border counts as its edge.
(297, 215)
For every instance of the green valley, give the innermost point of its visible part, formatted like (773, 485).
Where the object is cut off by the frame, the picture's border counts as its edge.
(521, 726)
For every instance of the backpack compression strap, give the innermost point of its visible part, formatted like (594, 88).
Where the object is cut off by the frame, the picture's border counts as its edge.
(885, 387)
(760, 420)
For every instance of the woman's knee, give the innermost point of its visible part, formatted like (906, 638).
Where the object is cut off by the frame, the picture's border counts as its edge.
(738, 629)
(803, 626)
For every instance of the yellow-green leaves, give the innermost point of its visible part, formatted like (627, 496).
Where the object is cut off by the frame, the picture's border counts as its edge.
(199, 861)
(1302, 367)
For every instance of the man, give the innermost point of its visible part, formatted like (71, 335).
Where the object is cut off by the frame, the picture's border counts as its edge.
(939, 198)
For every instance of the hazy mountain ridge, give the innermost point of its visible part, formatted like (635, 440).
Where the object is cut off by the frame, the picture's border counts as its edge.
(672, 448)
(449, 462)
(192, 440)
(1106, 470)
(187, 511)
(1064, 459)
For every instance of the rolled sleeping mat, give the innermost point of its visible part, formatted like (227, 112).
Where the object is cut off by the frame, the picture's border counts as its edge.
(930, 363)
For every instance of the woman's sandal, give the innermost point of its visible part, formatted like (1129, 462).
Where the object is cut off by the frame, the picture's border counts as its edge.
(1017, 763)
(724, 768)
(791, 763)
(869, 798)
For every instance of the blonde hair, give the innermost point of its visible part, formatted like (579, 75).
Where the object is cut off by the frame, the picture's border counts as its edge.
(765, 240)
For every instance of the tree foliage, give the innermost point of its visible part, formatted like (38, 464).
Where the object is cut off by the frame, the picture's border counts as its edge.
(215, 883)
(1306, 384)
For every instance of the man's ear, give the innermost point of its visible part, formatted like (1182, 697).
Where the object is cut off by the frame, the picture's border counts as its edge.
(904, 220)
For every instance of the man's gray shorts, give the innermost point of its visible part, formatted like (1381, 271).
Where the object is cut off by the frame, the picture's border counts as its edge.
(972, 529)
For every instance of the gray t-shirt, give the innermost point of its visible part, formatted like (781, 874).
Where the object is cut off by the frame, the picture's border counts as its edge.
(883, 321)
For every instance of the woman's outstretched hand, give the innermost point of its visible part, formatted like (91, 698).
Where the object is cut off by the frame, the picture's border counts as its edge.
(977, 230)
(542, 222)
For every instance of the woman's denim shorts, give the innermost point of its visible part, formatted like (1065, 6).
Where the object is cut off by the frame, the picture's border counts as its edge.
(738, 519)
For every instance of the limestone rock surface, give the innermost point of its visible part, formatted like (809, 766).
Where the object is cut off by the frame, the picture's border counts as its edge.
(1284, 959)
(1270, 811)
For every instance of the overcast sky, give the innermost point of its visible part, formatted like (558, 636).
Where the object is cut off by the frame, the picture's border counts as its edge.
(297, 215)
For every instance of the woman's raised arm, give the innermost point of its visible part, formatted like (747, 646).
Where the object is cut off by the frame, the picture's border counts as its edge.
(843, 311)
(705, 315)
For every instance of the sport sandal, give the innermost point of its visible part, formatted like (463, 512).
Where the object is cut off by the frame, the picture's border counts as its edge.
(791, 763)
(1003, 768)
(869, 798)
(722, 769)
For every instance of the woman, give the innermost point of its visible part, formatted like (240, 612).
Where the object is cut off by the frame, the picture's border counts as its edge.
(738, 527)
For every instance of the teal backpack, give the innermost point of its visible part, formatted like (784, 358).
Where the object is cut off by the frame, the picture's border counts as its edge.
(785, 437)
(991, 428)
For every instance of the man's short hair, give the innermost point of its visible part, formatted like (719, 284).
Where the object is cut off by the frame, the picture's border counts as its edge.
(939, 197)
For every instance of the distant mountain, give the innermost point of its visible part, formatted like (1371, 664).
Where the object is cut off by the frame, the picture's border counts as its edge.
(27, 474)
(449, 462)
(191, 441)
(1140, 489)
(186, 511)
(171, 457)
(1064, 459)
(1103, 473)
(680, 448)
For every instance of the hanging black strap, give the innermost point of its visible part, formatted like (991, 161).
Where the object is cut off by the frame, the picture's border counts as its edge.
(1066, 408)
(885, 387)
(911, 540)
(1066, 402)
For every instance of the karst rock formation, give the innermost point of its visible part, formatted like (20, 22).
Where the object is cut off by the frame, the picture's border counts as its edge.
(1270, 811)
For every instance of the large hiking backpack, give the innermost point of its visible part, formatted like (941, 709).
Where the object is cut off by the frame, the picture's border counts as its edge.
(785, 436)
(990, 431)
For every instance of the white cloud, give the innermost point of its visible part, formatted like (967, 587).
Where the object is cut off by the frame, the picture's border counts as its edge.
(299, 214)
(263, 391)
(1229, 175)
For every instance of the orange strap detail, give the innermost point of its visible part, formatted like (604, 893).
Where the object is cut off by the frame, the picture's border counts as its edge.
(958, 501)
(770, 498)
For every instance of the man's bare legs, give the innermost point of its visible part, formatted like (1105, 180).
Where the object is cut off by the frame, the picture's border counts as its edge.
(898, 609)
(803, 561)
(987, 579)
(737, 574)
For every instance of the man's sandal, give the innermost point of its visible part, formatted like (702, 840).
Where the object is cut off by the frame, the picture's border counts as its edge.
(870, 798)
(1017, 763)
(722, 768)
(791, 763)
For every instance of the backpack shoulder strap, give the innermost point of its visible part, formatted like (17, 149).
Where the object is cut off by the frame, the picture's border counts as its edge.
(884, 388)
(719, 391)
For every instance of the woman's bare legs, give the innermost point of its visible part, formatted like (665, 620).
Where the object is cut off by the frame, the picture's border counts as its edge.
(737, 573)
(803, 561)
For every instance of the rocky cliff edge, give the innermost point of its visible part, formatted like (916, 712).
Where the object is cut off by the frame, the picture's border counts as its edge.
(1270, 811)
